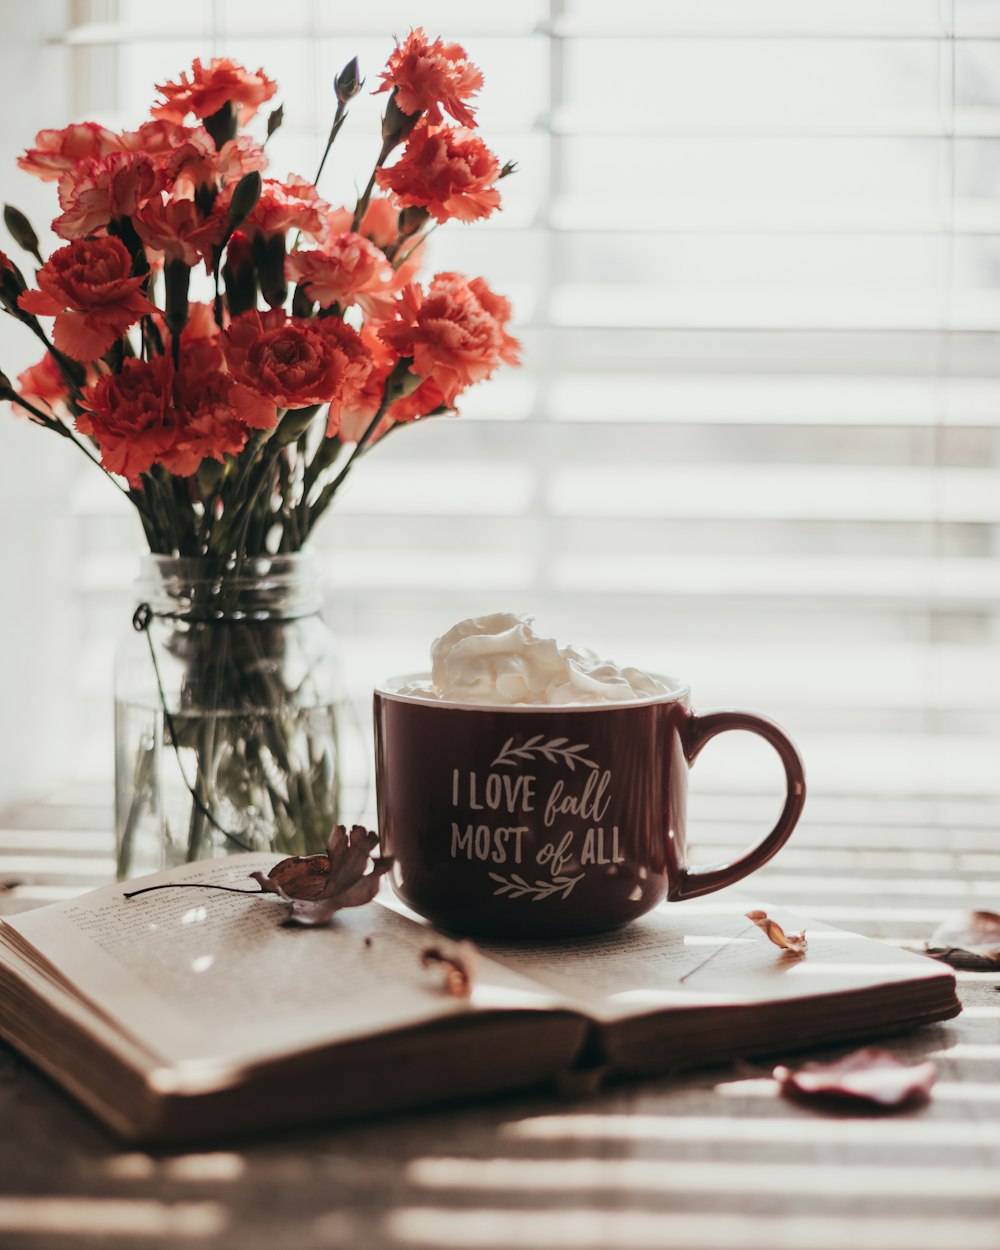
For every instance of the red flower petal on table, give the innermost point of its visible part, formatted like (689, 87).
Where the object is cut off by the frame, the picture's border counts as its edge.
(210, 86)
(89, 287)
(448, 171)
(794, 943)
(428, 75)
(870, 1075)
(348, 269)
(100, 190)
(968, 939)
(449, 334)
(459, 962)
(284, 359)
(318, 886)
(58, 151)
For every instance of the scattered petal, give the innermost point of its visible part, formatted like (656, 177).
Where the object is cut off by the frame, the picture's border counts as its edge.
(795, 943)
(968, 939)
(458, 962)
(870, 1075)
(318, 886)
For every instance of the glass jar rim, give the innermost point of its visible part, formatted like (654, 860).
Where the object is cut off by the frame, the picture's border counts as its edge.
(285, 586)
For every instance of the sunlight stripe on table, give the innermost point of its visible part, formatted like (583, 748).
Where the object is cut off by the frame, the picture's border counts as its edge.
(658, 1175)
(587, 1126)
(110, 1217)
(591, 1228)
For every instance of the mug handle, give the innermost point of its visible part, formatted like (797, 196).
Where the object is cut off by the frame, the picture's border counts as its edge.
(700, 730)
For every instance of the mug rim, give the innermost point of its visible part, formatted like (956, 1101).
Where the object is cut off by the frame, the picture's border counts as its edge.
(677, 692)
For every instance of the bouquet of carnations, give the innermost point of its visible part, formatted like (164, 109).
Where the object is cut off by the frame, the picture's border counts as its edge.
(226, 420)
(231, 421)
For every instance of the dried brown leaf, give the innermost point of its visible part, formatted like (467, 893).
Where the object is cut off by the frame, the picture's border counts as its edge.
(795, 943)
(870, 1075)
(318, 886)
(968, 939)
(458, 962)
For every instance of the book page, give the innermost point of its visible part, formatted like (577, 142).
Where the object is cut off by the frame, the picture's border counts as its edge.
(202, 975)
(707, 953)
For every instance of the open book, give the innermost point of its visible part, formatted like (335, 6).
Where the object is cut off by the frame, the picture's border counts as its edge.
(186, 1013)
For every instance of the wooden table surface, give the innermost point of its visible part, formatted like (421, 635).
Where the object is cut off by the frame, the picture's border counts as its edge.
(712, 1161)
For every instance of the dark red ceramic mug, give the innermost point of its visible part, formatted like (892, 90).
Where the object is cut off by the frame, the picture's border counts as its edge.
(515, 821)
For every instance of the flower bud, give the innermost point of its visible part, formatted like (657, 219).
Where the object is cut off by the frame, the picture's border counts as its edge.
(509, 167)
(295, 423)
(401, 381)
(274, 120)
(327, 453)
(302, 305)
(245, 198)
(348, 82)
(412, 219)
(11, 285)
(176, 279)
(210, 475)
(6, 387)
(239, 276)
(396, 124)
(269, 259)
(222, 125)
(21, 231)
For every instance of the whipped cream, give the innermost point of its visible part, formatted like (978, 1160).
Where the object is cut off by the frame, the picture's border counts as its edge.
(500, 659)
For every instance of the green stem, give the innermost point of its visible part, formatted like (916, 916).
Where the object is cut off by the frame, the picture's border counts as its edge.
(362, 205)
(328, 492)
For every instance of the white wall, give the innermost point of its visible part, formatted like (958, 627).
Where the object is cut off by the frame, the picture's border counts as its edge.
(35, 465)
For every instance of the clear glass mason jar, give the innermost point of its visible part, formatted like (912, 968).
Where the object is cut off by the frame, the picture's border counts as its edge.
(228, 714)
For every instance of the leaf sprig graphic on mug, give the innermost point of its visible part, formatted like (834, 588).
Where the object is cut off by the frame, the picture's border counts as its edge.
(515, 886)
(554, 750)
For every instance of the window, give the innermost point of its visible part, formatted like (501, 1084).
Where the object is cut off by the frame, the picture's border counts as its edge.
(754, 256)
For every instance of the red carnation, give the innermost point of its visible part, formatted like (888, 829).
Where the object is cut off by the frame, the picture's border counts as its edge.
(380, 222)
(357, 364)
(348, 270)
(427, 76)
(211, 86)
(453, 339)
(290, 205)
(57, 151)
(130, 414)
(178, 229)
(210, 416)
(89, 288)
(98, 191)
(357, 411)
(446, 170)
(285, 360)
(43, 385)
